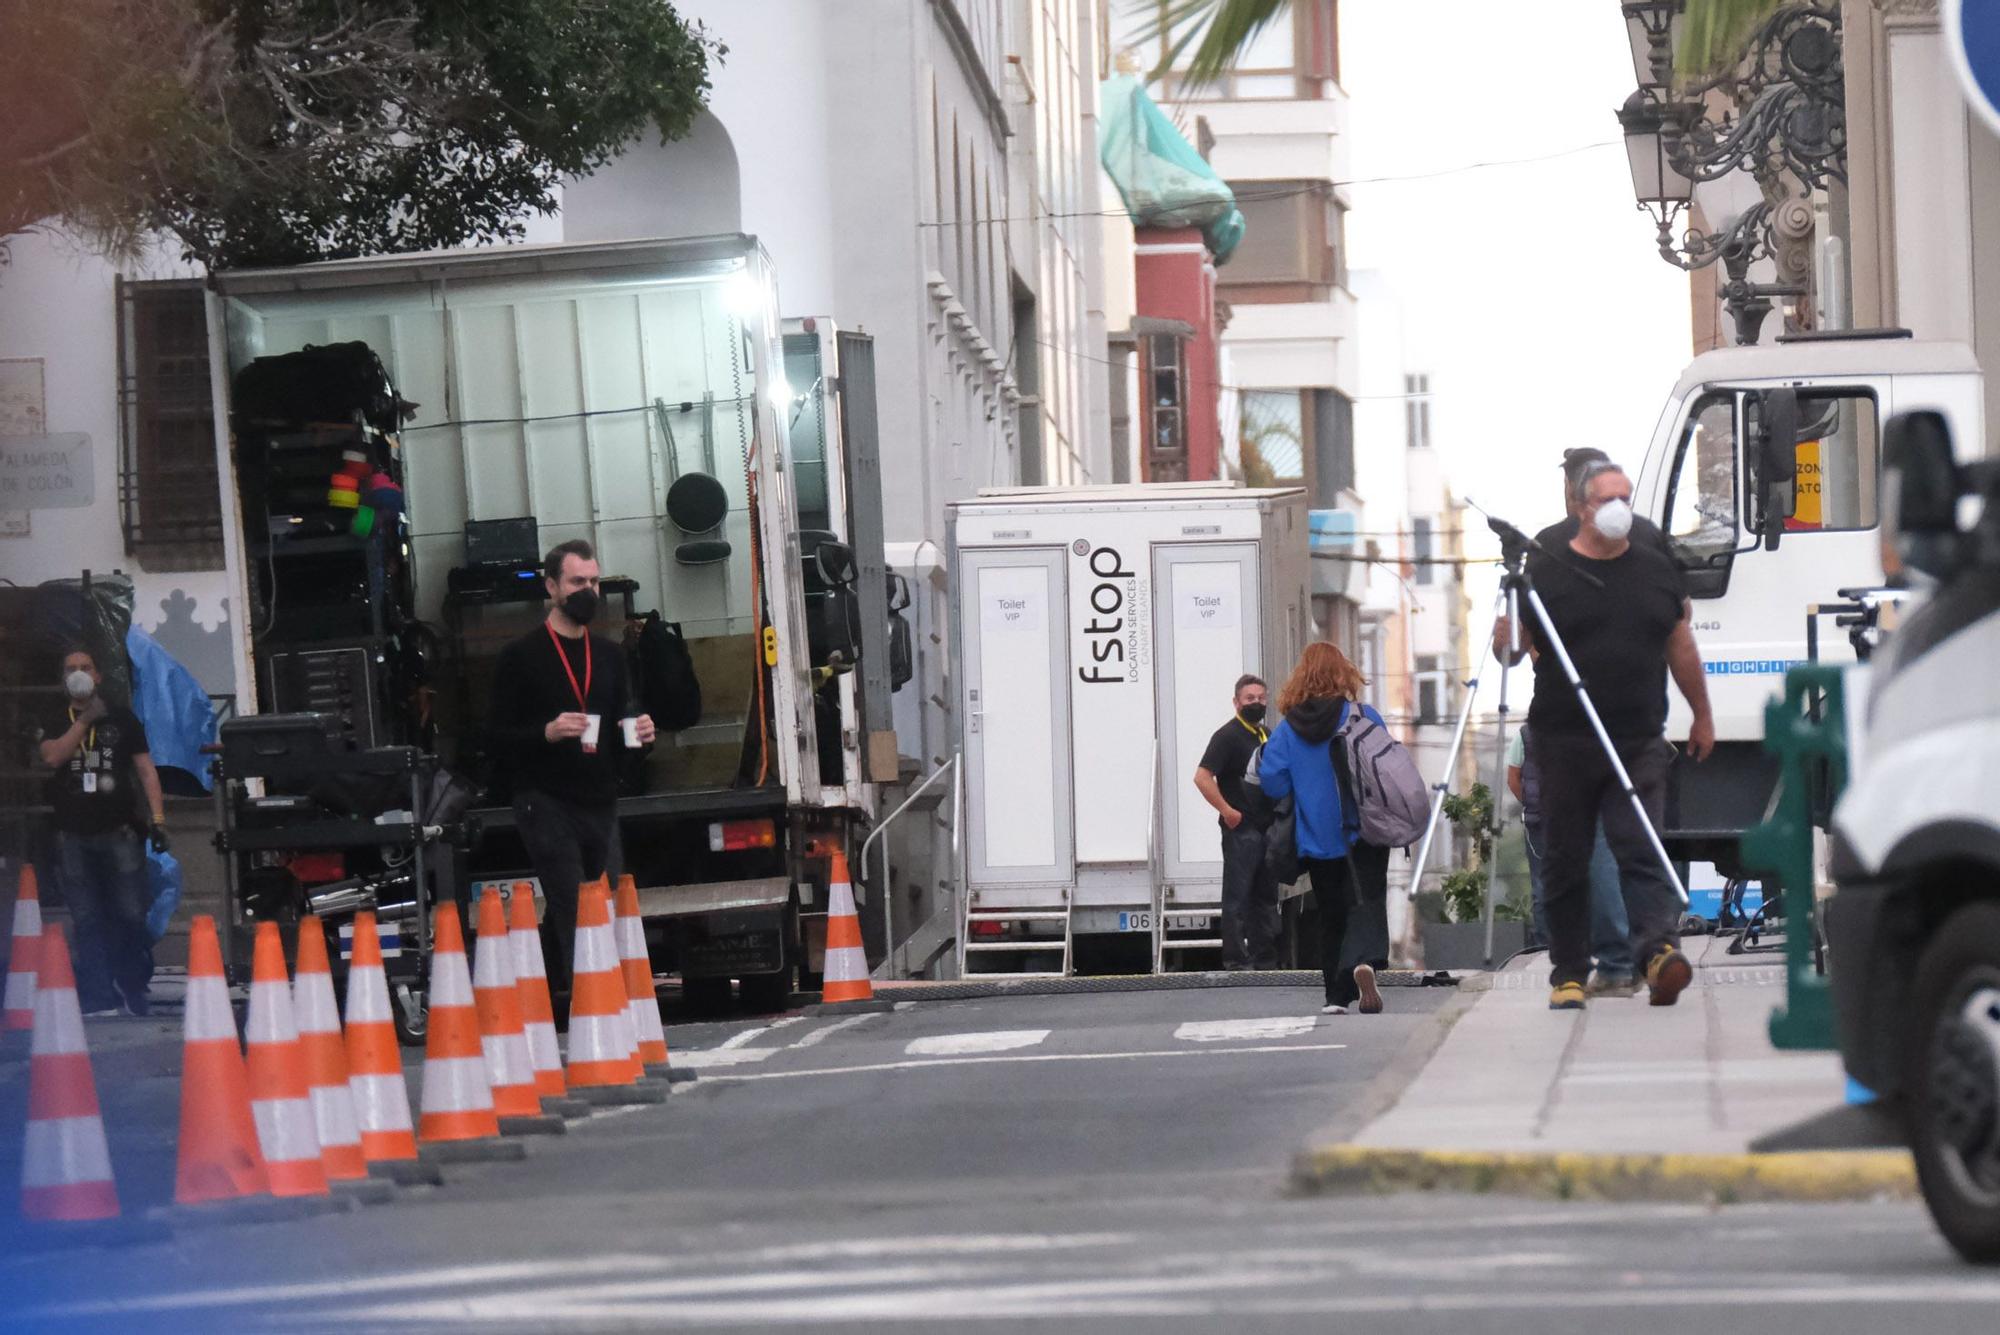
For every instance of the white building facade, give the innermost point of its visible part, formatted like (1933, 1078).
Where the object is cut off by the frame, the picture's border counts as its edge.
(920, 170)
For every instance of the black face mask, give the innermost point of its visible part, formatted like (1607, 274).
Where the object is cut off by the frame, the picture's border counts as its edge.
(1252, 713)
(581, 606)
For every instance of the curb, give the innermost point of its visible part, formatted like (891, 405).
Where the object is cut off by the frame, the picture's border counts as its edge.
(1821, 1176)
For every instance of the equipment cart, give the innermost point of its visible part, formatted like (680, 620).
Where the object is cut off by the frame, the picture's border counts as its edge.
(305, 826)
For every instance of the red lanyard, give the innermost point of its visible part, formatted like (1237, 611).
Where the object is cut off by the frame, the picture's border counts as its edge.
(583, 693)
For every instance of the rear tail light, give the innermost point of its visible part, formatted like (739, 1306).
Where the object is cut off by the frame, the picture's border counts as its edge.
(731, 836)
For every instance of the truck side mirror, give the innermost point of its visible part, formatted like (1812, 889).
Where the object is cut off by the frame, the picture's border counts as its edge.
(1922, 482)
(837, 565)
(1777, 462)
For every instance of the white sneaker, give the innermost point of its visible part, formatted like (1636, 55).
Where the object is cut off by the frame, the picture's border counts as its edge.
(1331, 1009)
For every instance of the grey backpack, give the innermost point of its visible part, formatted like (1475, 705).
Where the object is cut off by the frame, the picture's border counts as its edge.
(1378, 773)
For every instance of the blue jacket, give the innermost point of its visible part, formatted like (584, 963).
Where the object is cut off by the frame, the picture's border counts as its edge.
(1298, 762)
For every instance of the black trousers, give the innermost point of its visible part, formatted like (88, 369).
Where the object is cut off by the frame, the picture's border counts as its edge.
(1578, 790)
(568, 844)
(1351, 895)
(1249, 901)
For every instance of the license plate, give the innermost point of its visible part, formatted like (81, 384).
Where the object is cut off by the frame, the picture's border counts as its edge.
(1142, 921)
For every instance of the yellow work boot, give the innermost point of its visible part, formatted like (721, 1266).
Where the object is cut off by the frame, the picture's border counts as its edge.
(1567, 997)
(1667, 976)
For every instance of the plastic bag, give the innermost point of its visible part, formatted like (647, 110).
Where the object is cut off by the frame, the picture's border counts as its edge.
(163, 872)
(1160, 177)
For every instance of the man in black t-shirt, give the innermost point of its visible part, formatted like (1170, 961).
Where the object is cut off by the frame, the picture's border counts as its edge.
(1249, 893)
(103, 769)
(1620, 608)
(560, 695)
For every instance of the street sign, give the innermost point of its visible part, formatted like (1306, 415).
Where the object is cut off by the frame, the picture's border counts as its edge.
(45, 472)
(1973, 29)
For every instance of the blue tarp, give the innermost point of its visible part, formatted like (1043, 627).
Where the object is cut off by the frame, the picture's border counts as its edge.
(172, 705)
(1161, 178)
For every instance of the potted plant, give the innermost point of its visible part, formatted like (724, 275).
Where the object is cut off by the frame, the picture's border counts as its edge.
(1454, 934)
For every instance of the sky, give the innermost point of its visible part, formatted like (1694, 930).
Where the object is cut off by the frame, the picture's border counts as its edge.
(1533, 294)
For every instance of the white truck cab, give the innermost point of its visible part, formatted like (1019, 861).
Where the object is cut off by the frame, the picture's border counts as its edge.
(1765, 473)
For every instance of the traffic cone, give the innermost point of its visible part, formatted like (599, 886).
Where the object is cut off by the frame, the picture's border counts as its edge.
(501, 1035)
(602, 1047)
(637, 966)
(20, 998)
(531, 979)
(845, 973)
(65, 1165)
(326, 1057)
(374, 1058)
(280, 1095)
(219, 1157)
(457, 1097)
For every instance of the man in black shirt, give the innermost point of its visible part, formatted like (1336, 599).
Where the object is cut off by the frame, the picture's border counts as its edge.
(1249, 894)
(103, 767)
(559, 697)
(1621, 609)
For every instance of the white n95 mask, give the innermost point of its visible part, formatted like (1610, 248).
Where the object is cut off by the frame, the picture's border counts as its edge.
(1614, 519)
(79, 684)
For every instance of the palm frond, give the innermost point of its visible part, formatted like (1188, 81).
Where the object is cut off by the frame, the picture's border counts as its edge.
(1217, 30)
(1713, 33)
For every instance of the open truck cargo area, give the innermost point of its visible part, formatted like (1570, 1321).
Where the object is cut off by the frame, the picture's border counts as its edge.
(636, 395)
(1099, 633)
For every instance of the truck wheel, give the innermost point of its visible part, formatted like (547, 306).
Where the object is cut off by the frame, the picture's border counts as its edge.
(410, 1004)
(1955, 1081)
(767, 992)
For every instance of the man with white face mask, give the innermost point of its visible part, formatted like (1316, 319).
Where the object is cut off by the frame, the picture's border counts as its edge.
(1624, 626)
(103, 768)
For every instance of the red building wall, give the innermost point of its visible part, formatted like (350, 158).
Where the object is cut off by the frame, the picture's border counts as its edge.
(1175, 280)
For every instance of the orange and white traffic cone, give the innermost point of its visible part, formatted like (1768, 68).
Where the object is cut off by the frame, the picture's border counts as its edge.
(66, 1164)
(501, 1036)
(326, 1057)
(531, 980)
(845, 972)
(374, 1058)
(280, 1096)
(457, 1096)
(19, 1010)
(219, 1158)
(602, 1047)
(637, 965)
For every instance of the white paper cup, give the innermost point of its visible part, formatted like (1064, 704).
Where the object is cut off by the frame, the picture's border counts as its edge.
(595, 721)
(631, 730)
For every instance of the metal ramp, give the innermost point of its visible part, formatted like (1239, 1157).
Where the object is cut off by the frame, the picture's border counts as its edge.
(975, 951)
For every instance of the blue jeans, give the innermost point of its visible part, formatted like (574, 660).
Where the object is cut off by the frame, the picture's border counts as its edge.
(104, 883)
(1610, 930)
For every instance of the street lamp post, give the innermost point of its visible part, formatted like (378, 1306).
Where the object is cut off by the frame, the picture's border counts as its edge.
(1778, 112)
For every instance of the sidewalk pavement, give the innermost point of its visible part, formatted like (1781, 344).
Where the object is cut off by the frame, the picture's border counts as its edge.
(1621, 1100)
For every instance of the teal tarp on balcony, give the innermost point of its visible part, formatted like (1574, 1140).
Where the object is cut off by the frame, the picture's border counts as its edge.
(1161, 178)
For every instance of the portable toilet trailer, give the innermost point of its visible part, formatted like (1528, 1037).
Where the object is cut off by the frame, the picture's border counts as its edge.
(1097, 636)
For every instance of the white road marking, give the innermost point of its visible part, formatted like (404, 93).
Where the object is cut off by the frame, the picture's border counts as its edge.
(712, 1057)
(742, 1039)
(1220, 1031)
(820, 1034)
(442, 1276)
(934, 1063)
(957, 1045)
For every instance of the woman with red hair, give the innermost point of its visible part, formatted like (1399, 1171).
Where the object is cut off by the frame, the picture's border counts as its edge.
(1350, 879)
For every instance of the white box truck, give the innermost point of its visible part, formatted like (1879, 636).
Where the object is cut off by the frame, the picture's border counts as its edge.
(585, 391)
(1098, 635)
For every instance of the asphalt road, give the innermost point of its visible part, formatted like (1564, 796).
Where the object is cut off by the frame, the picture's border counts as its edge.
(1116, 1161)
